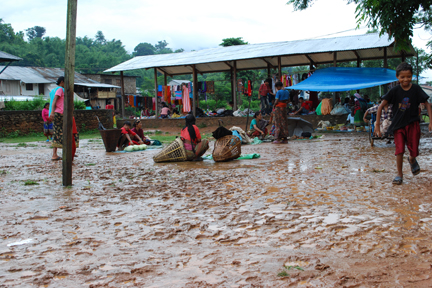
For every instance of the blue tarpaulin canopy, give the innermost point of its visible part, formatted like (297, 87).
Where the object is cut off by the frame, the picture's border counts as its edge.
(335, 79)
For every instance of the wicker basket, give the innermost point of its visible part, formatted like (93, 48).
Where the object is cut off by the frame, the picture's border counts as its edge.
(174, 152)
(110, 138)
(227, 148)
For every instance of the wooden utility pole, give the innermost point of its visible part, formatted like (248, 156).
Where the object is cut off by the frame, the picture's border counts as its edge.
(194, 90)
(69, 91)
(122, 94)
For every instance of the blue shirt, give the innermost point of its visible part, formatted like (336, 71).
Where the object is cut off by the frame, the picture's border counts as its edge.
(253, 122)
(282, 95)
(52, 96)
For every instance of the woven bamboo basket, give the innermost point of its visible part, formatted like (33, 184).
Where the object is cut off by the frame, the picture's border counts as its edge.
(227, 148)
(174, 152)
(110, 138)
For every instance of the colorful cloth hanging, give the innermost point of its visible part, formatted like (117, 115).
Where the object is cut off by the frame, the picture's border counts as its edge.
(249, 90)
(210, 87)
(186, 100)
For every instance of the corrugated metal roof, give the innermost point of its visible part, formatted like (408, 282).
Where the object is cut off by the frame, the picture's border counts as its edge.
(256, 56)
(46, 75)
(24, 74)
(6, 57)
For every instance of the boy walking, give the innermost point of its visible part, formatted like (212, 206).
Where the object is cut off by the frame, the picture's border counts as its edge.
(405, 126)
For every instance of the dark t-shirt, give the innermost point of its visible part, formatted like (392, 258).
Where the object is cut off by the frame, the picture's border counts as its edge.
(405, 105)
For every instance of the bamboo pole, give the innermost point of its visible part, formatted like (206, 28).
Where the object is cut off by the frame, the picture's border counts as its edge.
(69, 91)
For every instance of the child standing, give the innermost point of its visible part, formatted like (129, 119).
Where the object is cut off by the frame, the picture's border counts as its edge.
(47, 125)
(405, 126)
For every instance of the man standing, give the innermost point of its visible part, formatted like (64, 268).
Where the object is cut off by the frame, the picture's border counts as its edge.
(264, 90)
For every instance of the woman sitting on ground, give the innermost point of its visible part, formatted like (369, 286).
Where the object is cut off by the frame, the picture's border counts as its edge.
(258, 126)
(191, 137)
(165, 111)
(137, 129)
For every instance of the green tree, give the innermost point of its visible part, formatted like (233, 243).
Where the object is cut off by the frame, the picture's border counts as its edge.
(35, 32)
(144, 49)
(397, 17)
(233, 41)
(100, 38)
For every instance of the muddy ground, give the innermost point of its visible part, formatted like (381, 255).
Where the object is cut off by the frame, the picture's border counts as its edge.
(326, 209)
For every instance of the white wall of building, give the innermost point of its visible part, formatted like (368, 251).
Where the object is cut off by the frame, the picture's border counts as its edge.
(10, 87)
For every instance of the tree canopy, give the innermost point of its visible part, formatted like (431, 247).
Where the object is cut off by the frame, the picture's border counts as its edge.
(396, 17)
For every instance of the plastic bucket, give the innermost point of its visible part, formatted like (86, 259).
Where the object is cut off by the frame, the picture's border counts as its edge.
(110, 138)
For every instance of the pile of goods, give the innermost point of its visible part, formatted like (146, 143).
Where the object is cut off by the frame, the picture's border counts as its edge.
(132, 148)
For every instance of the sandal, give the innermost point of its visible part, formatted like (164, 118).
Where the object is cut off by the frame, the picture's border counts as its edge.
(277, 142)
(415, 168)
(56, 159)
(398, 180)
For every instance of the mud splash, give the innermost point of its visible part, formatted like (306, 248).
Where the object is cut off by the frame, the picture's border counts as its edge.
(327, 207)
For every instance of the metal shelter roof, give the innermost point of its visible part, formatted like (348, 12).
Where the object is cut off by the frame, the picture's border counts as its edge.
(46, 75)
(6, 57)
(259, 56)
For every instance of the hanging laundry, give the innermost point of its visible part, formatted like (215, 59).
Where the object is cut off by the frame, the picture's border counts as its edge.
(249, 88)
(190, 87)
(186, 100)
(178, 95)
(131, 100)
(240, 86)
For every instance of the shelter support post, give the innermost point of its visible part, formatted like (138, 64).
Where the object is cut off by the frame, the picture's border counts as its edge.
(279, 68)
(122, 102)
(156, 93)
(334, 65)
(165, 79)
(385, 88)
(234, 91)
(268, 70)
(403, 56)
(194, 89)
(68, 138)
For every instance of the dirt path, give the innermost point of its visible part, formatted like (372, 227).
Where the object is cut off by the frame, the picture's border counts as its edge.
(325, 208)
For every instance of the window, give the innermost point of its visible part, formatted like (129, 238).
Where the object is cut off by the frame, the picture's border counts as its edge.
(118, 82)
(29, 87)
(108, 81)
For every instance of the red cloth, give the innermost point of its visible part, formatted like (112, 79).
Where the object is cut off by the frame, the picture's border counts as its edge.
(409, 135)
(307, 105)
(109, 107)
(257, 133)
(313, 96)
(130, 132)
(264, 89)
(249, 92)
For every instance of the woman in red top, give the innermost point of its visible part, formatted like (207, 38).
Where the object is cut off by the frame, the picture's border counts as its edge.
(137, 129)
(191, 137)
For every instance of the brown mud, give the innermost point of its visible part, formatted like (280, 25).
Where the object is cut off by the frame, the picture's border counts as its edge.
(326, 209)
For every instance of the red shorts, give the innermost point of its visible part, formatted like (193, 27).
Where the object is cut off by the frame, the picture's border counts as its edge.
(409, 135)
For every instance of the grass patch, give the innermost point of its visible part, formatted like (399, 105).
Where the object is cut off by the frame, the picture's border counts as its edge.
(202, 125)
(30, 182)
(90, 164)
(165, 138)
(158, 132)
(39, 137)
(284, 273)
(3, 172)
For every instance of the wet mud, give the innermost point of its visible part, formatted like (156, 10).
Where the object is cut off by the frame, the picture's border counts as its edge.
(319, 213)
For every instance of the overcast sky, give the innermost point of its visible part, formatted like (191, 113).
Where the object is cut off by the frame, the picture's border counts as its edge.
(192, 24)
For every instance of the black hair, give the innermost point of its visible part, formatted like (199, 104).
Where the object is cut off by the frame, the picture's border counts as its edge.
(59, 80)
(257, 114)
(190, 121)
(347, 100)
(301, 98)
(46, 104)
(278, 84)
(164, 104)
(109, 102)
(136, 122)
(403, 67)
(127, 123)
